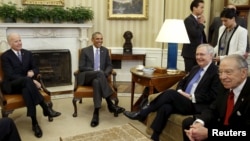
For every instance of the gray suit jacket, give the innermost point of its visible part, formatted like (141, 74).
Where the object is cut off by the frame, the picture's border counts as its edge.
(86, 62)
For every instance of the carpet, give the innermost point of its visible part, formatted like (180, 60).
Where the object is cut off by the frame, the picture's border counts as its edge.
(125, 132)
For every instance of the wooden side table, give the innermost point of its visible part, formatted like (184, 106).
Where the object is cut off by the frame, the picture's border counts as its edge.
(129, 57)
(157, 81)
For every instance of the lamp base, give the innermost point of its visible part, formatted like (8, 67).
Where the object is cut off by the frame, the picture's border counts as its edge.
(173, 71)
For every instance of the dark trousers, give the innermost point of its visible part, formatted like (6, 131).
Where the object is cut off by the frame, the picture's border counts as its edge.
(189, 63)
(101, 87)
(186, 123)
(167, 103)
(29, 91)
(8, 130)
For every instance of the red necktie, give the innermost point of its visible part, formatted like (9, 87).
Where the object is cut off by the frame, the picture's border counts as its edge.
(230, 106)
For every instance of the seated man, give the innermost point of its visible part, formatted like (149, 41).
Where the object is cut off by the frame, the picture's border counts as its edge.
(194, 93)
(95, 66)
(229, 113)
(19, 73)
(8, 130)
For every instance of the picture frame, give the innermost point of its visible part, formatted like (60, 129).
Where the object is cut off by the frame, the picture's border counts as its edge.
(128, 9)
(44, 2)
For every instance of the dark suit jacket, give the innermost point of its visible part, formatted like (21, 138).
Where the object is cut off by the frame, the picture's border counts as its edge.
(240, 117)
(86, 62)
(206, 90)
(13, 68)
(195, 31)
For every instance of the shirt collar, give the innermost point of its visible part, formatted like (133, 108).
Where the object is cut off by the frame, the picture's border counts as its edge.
(238, 89)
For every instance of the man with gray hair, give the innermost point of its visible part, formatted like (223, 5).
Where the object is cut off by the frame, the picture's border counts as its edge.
(193, 93)
(229, 114)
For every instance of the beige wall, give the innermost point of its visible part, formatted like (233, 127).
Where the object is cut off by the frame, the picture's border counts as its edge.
(144, 31)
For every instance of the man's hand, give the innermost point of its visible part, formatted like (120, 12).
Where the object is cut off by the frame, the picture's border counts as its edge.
(184, 94)
(197, 132)
(201, 19)
(30, 73)
(38, 85)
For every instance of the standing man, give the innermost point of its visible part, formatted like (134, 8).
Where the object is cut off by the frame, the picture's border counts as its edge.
(95, 66)
(194, 24)
(230, 112)
(191, 95)
(20, 72)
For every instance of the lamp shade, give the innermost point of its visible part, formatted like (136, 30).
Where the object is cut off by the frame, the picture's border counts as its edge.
(173, 31)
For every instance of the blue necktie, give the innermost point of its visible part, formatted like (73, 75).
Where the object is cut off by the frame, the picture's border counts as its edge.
(194, 80)
(97, 60)
(19, 55)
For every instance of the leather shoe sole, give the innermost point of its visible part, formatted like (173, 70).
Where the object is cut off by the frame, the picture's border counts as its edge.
(37, 131)
(95, 121)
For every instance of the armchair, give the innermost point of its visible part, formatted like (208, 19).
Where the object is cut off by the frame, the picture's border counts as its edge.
(87, 91)
(11, 102)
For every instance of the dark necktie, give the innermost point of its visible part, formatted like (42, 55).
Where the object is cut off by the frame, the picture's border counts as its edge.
(230, 106)
(97, 60)
(19, 55)
(194, 80)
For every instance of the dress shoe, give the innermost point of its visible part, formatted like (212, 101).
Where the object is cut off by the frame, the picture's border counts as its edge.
(37, 130)
(115, 109)
(134, 115)
(51, 113)
(95, 120)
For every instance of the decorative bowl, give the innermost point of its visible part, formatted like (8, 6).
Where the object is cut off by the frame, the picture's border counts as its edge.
(139, 67)
(148, 70)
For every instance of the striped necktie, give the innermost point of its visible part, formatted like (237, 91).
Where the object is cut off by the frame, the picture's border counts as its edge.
(19, 55)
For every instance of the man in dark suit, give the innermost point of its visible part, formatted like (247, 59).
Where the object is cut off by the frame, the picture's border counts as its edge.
(95, 66)
(194, 24)
(230, 112)
(8, 130)
(191, 96)
(19, 77)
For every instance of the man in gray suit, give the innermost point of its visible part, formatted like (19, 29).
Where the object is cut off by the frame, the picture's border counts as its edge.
(95, 66)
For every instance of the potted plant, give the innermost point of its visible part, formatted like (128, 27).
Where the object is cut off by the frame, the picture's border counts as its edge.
(81, 14)
(34, 13)
(9, 12)
(58, 14)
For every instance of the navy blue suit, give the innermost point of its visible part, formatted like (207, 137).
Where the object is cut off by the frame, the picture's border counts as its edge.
(16, 81)
(170, 101)
(196, 36)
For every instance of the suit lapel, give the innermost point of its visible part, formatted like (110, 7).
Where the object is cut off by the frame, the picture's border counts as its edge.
(243, 96)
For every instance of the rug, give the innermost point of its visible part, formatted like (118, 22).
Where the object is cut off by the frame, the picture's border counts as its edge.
(126, 132)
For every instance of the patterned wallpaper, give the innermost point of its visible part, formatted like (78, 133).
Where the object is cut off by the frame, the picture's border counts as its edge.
(144, 31)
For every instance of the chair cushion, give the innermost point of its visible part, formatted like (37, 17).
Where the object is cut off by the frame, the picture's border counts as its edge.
(16, 100)
(83, 91)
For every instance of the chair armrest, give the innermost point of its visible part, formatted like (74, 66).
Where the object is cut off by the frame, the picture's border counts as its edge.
(75, 75)
(2, 99)
(43, 87)
(113, 73)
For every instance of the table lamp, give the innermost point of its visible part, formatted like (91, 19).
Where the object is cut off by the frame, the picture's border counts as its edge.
(173, 31)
